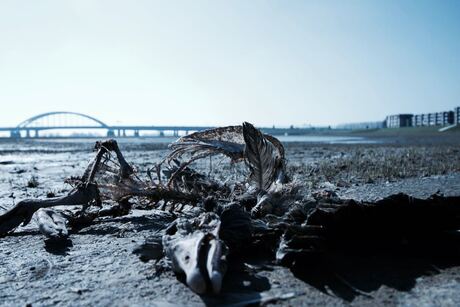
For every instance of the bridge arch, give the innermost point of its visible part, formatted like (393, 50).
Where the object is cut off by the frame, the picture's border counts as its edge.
(28, 122)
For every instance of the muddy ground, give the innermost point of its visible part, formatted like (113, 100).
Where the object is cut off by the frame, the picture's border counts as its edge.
(98, 268)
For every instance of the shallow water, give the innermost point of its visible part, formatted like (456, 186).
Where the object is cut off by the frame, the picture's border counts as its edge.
(326, 139)
(76, 143)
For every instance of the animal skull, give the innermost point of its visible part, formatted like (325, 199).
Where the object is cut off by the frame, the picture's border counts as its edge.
(196, 250)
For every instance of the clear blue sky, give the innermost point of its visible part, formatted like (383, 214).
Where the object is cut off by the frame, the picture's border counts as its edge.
(223, 62)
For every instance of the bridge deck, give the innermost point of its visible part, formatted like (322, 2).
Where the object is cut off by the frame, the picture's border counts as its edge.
(47, 121)
(140, 128)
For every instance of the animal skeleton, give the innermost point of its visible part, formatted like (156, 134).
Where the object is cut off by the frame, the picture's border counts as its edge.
(265, 211)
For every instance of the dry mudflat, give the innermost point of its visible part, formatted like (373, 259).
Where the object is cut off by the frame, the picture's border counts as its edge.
(98, 268)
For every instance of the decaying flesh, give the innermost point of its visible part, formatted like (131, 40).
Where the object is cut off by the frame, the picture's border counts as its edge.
(266, 213)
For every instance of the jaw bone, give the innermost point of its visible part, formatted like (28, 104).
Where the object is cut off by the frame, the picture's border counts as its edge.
(195, 249)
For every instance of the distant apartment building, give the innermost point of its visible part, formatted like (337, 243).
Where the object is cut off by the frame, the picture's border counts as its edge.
(433, 119)
(399, 120)
(457, 116)
(444, 118)
(417, 120)
(420, 120)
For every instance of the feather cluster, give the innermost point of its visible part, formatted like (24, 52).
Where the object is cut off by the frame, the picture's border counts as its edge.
(224, 140)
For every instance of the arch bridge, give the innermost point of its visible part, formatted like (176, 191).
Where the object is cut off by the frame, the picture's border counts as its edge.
(63, 120)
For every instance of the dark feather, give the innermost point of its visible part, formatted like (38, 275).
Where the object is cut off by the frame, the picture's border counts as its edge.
(263, 158)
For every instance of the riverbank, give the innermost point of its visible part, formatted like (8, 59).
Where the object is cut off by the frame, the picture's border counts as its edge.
(98, 267)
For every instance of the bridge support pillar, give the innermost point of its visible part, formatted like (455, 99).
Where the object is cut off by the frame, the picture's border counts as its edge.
(162, 133)
(36, 134)
(15, 134)
(27, 133)
(110, 133)
(136, 133)
(124, 133)
(176, 133)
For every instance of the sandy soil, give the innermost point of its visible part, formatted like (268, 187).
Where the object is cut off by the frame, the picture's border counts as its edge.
(98, 266)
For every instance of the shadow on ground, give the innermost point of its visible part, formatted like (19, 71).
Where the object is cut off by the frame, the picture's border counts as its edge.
(348, 273)
(58, 247)
(349, 270)
(240, 288)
